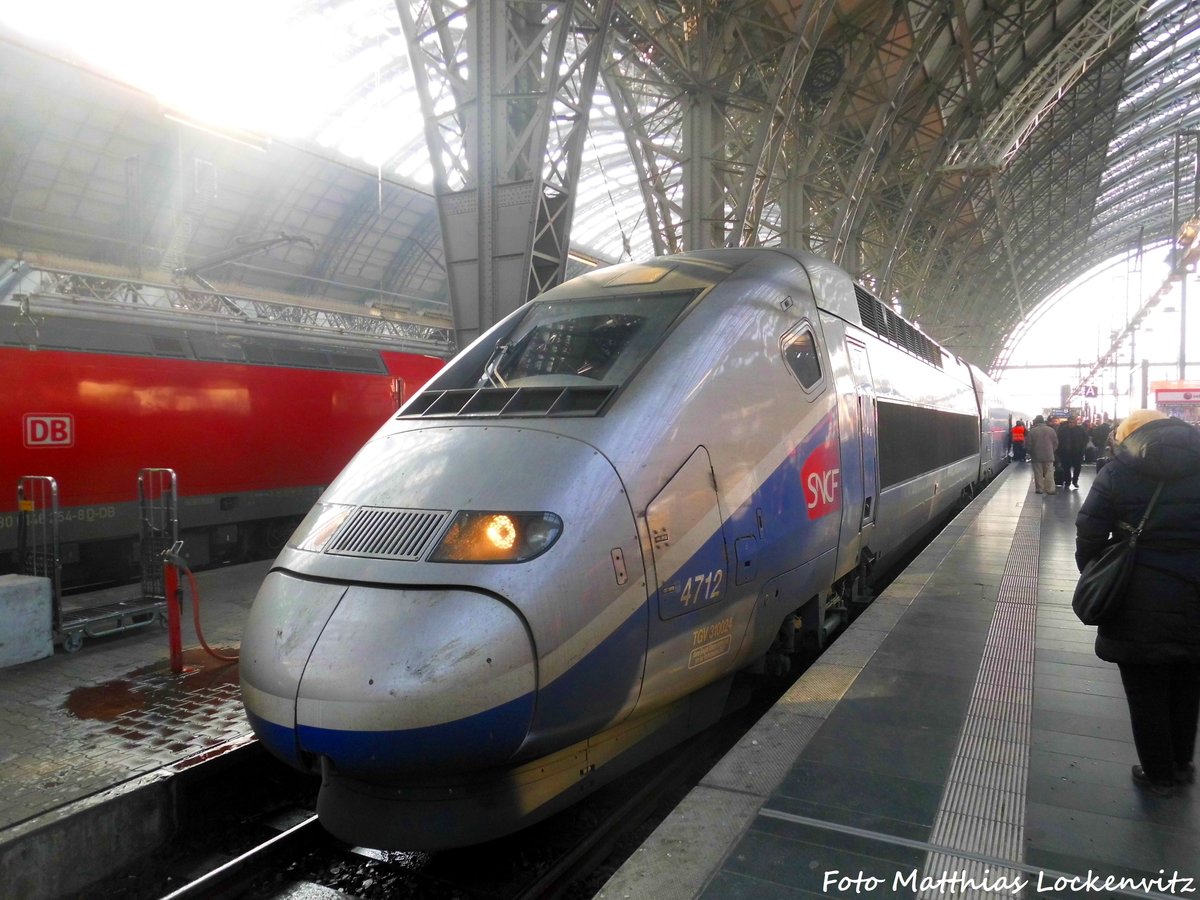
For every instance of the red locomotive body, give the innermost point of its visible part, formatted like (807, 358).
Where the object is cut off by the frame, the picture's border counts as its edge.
(254, 425)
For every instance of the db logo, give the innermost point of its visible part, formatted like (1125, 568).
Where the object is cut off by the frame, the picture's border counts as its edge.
(43, 430)
(822, 477)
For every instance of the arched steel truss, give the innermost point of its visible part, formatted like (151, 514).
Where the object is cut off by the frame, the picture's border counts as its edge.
(963, 159)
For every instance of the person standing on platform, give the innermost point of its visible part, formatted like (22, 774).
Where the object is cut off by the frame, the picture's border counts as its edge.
(1041, 443)
(1072, 442)
(1154, 634)
(1100, 436)
(1018, 441)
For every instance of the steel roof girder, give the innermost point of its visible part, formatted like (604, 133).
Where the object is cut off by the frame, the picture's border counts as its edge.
(491, 76)
(885, 117)
(699, 191)
(759, 185)
(1051, 78)
(568, 100)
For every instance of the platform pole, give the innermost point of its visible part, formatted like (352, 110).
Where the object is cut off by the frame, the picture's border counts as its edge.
(174, 633)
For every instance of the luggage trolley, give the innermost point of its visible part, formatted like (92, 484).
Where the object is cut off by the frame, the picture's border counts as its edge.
(38, 549)
(37, 537)
(158, 506)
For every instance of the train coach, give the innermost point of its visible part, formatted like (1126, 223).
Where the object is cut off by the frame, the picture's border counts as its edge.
(551, 563)
(254, 421)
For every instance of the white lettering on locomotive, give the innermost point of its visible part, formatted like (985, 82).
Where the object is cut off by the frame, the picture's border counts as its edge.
(823, 488)
(49, 430)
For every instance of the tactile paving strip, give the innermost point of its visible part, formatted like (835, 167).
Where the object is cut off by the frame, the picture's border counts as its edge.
(982, 810)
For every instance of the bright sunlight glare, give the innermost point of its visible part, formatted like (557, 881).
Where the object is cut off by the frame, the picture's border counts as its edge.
(271, 67)
(1058, 344)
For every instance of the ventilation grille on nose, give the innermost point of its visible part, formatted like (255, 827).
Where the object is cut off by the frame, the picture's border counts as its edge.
(388, 533)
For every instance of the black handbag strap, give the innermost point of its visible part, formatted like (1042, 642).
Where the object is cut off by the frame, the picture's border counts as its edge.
(1136, 533)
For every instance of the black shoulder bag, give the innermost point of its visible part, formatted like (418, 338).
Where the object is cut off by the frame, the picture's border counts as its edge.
(1103, 579)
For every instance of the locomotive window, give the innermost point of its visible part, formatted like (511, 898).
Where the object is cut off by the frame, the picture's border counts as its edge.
(800, 352)
(592, 341)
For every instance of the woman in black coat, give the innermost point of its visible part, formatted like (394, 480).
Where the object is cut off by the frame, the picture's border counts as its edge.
(1154, 636)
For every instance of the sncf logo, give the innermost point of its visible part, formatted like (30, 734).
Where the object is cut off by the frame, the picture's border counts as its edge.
(42, 430)
(822, 480)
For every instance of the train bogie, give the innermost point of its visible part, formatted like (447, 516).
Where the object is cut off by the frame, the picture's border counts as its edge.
(643, 482)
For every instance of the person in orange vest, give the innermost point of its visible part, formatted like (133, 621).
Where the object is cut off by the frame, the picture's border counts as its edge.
(1018, 441)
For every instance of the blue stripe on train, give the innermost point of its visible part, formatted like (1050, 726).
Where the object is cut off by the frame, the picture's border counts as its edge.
(593, 690)
(782, 498)
(486, 739)
(587, 696)
(279, 739)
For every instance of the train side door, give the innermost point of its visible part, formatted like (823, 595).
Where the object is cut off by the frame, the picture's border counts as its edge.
(864, 390)
(856, 427)
(687, 540)
(692, 633)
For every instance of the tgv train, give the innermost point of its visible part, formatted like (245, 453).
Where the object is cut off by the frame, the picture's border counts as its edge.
(549, 565)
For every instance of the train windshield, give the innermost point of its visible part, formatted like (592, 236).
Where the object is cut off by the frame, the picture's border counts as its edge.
(589, 341)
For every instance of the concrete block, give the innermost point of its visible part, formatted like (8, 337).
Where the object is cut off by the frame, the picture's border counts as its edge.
(25, 619)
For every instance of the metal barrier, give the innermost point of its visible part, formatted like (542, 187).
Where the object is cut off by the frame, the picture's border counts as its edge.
(39, 555)
(37, 536)
(158, 505)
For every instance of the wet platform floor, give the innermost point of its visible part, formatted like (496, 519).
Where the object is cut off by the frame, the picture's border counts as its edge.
(74, 725)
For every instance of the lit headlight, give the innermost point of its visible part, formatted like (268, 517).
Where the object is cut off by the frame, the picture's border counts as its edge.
(497, 537)
(319, 526)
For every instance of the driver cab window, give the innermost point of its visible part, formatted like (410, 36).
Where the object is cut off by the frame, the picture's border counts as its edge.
(801, 354)
(589, 341)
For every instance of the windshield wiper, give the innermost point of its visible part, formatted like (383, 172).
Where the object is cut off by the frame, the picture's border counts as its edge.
(493, 363)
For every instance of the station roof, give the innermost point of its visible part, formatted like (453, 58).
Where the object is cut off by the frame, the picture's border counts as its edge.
(961, 158)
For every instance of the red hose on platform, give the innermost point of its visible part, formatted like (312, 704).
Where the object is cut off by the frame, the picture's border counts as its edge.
(196, 620)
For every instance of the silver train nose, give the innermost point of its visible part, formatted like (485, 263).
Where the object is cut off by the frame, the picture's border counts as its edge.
(387, 681)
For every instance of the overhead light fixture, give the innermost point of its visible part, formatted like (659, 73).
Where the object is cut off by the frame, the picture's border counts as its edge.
(390, 312)
(583, 259)
(249, 139)
(1186, 251)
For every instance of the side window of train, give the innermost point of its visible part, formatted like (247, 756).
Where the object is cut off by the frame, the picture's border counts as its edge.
(802, 356)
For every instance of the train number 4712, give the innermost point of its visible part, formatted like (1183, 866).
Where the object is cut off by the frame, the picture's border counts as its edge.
(703, 588)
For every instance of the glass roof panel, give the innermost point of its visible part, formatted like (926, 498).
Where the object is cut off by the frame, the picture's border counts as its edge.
(334, 75)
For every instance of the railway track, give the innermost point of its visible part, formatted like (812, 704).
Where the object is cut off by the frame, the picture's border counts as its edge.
(568, 856)
(233, 878)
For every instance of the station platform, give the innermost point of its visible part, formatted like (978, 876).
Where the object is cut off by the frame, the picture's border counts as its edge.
(960, 739)
(90, 740)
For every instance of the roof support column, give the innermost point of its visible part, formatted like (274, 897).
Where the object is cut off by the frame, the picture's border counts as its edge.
(705, 93)
(505, 88)
(702, 223)
(795, 212)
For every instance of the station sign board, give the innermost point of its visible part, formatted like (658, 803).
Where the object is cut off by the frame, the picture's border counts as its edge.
(1178, 396)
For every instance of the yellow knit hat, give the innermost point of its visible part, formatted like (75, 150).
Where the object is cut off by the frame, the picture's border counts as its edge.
(1136, 420)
